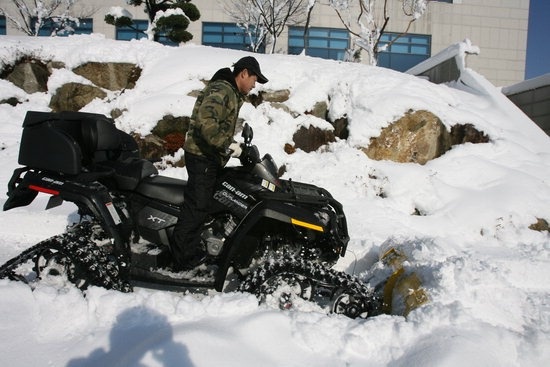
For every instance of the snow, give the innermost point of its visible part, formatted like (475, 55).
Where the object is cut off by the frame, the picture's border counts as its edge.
(459, 50)
(485, 271)
(119, 12)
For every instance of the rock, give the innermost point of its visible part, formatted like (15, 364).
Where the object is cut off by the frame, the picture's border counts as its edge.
(341, 130)
(279, 96)
(116, 113)
(541, 225)
(171, 130)
(151, 147)
(31, 76)
(283, 107)
(52, 65)
(418, 137)
(194, 93)
(289, 148)
(320, 110)
(170, 124)
(173, 142)
(254, 99)
(111, 75)
(74, 96)
(467, 133)
(12, 101)
(311, 139)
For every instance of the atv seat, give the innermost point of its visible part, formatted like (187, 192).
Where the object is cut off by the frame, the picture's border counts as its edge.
(72, 142)
(129, 172)
(162, 188)
(102, 141)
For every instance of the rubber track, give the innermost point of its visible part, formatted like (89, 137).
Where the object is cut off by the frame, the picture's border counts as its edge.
(315, 272)
(97, 267)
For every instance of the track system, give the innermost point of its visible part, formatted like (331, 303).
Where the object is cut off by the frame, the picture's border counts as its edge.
(289, 281)
(281, 280)
(75, 254)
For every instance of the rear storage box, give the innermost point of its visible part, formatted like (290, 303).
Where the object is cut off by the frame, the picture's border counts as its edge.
(66, 142)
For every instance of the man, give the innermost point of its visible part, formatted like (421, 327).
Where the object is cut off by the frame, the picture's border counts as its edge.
(208, 146)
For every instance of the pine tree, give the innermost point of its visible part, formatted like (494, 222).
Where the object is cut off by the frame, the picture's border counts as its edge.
(166, 17)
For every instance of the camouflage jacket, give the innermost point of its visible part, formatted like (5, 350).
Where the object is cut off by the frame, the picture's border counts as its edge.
(214, 118)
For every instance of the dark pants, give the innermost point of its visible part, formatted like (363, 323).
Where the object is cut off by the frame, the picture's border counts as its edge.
(203, 173)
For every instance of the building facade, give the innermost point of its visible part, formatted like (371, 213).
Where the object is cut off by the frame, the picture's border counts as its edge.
(498, 27)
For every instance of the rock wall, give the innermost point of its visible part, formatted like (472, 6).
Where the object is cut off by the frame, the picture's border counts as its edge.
(417, 137)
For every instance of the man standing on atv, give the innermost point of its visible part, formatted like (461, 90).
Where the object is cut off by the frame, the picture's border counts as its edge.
(208, 146)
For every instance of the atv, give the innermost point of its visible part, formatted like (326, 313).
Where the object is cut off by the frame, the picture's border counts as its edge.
(275, 238)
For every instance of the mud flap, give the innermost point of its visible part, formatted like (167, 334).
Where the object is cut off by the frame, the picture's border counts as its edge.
(403, 290)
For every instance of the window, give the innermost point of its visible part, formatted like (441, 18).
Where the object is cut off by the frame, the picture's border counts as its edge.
(138, 32)
(405, 52)
(127, 33)
(51, 26)
(2, 24)
(226, 35)
(327, 43)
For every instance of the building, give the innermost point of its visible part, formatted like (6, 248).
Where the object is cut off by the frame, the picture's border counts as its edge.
(533, 98)
(498, 27)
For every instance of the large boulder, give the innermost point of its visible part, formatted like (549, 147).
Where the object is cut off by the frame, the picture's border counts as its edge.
(74, 96)
(417, 137)
(31, 76)
(110, 75)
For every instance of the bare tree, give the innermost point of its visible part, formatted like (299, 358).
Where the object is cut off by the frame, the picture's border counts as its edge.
(250, 20)
(30, 16)
(311, 4)
(366, 25)
(267, 19)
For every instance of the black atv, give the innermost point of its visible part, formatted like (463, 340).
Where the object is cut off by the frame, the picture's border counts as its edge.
(275, 238)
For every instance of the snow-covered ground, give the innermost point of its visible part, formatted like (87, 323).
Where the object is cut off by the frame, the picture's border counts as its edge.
(486, 272)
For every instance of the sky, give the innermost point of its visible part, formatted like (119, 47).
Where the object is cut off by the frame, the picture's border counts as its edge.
(538, 47)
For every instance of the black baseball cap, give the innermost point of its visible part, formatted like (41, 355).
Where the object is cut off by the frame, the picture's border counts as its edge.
(251, 64)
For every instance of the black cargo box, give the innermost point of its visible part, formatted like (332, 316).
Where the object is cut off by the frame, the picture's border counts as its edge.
(66, 142)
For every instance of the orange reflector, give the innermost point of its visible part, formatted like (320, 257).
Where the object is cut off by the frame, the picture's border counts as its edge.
(306, 225)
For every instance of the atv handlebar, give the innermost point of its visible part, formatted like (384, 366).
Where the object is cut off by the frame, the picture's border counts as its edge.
(247, 134)
(250, 155)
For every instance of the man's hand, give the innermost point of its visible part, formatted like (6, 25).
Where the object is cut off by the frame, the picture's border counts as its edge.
(235, 150)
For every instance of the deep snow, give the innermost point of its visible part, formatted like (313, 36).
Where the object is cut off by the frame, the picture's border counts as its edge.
(486, 272)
